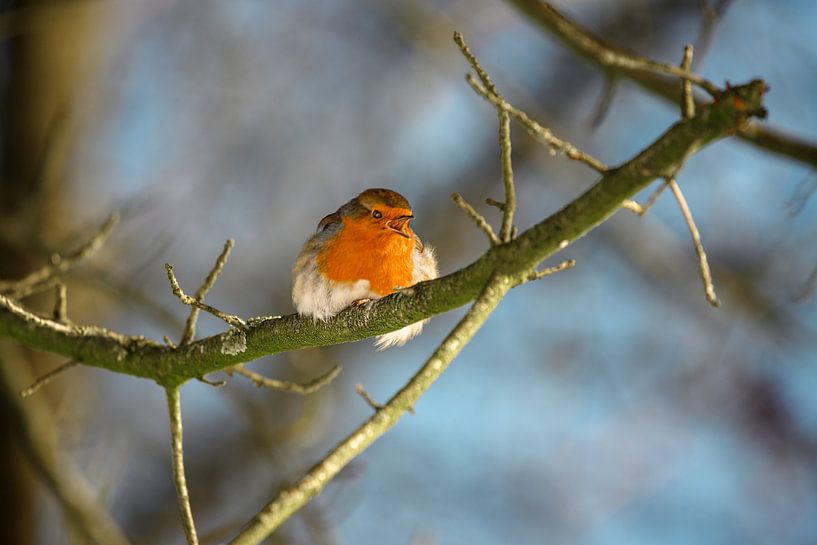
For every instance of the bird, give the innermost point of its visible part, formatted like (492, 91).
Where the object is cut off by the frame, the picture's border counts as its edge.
(363, 251)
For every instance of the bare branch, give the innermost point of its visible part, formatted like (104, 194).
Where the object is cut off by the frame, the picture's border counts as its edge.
(642, 209)
(174, 408)
(509, 209)
(284, 386)
(491, 202)
(232, 320)
(48, 377)
(290, 499)
(687, 97)
(703, 263)
(60, 313)
(710, 17)
(509, 206)
(43, 278)
(472, 60)
(654, 197)
(480, 220)
(628, 64)
(190, 325)
(213, 383)
(608, 92)
(536, 130)
(807, 290)
(563, 266)
(633, 206)
(370, 401)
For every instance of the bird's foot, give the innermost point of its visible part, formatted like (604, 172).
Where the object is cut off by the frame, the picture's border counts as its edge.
(360, 302)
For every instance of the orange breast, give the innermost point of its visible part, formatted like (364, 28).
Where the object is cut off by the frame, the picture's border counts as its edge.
(363, 252)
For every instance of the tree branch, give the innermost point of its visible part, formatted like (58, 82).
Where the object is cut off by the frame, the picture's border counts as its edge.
(43, 278)
(231, 319)
(290, 499)
(138, 356)
(174, 409)
(536, 130)
(190, 326)
(285, 386)
(478, 218)
(621, 62)
(506, 232)
(703, 262)
(48, 377)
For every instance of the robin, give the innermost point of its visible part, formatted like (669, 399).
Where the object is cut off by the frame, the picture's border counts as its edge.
(363, 251)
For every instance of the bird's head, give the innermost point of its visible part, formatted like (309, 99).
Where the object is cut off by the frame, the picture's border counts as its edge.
(382, 209)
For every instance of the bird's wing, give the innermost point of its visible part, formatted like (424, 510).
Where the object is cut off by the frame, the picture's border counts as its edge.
(330, 222)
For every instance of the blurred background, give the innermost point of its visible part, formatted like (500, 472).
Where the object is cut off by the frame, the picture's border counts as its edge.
(609, 404)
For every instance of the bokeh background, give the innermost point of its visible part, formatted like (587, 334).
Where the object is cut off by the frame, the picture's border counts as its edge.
(605, 405)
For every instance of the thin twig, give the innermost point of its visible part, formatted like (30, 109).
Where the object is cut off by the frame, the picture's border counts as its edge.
(608, 92)
(563, 266)
(480, 220)
(536, 130)
(505, 233)
(42, 278)
(687, 97)
(190, 325)
(601, 52)
(808, 288)
(710, 16)
(372, 402)
(291, 499)
(367, 397)
(284, 386)
(231, 319)
(472, 60)
(633, 206)
(642, 209)
(213, 383)
(60, 313)
(654, 197)
(48, 377)
(703, 264)
(491, 202)
(174, 408)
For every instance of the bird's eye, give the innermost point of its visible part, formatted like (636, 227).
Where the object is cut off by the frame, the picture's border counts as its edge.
(376, 214)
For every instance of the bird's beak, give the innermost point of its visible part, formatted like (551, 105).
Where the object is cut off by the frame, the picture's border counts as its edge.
(400, 224)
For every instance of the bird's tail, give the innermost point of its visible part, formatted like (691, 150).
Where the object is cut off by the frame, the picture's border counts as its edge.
(399, 337)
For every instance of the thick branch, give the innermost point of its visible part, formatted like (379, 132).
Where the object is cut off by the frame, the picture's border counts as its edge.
(146, 358)
(621, 62)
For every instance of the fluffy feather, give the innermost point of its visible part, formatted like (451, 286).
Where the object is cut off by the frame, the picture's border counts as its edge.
(315, 294)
